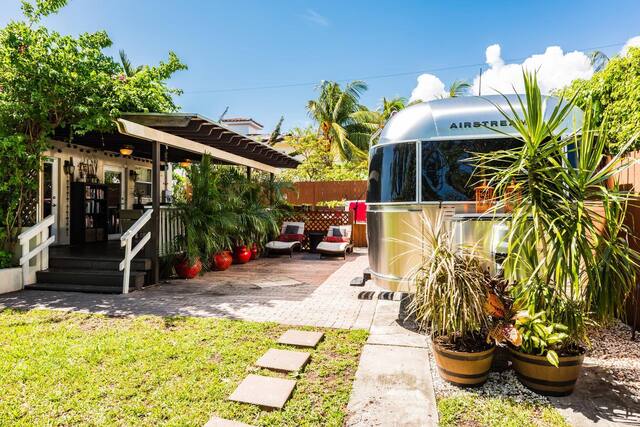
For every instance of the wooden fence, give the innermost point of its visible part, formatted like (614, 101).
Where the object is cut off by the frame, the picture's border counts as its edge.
(630, 180)
(313, 192)
(319, 221)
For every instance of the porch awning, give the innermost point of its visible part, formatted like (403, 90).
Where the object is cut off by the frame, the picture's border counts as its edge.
(185, 136)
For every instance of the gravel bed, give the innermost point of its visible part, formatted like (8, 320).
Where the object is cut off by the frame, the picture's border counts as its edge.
(612, 350)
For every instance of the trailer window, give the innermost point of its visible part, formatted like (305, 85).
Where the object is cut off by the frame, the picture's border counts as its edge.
(446, 170)
(392, 174)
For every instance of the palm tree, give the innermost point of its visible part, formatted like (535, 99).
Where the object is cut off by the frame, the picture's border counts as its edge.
(334, 110)
(273, 138)
(458, 88)
(129, 70)
(598, 60)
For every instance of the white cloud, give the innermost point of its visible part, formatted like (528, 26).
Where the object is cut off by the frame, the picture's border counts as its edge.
(632, 42)
(429, 87)
(313, 16)
(555, 69)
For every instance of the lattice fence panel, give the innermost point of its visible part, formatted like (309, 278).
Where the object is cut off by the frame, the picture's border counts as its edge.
(320, 221)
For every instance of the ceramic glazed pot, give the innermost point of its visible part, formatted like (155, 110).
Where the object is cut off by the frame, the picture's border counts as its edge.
(242, 254)
(537, 374)
(462, 368)
(186, 271)
(255, 251)
(222, 260)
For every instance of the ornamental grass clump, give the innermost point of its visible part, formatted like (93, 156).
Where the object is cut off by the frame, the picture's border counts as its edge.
(450, 296)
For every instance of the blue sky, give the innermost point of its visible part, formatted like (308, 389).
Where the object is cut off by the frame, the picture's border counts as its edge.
(252, 44)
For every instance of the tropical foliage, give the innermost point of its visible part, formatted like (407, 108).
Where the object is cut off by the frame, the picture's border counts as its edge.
(333, 111)
(50, 81)
(318, 164)
(614, 93)
(566, 252)
(220, 208)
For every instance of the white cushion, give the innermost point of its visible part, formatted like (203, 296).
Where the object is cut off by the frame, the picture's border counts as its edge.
(345, 230)
(300, 226)
(337, 247)
(281, 245)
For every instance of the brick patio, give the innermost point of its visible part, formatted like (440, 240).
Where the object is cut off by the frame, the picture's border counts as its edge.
(305, 290)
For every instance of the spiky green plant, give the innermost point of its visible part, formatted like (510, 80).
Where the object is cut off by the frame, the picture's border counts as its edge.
(567, 258)
(450, 285)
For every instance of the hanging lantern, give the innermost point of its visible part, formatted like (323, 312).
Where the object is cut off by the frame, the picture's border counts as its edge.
(126, 150)
(186, 163)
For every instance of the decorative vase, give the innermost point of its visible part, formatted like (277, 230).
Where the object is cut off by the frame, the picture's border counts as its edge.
(242, 255)
(537, 374)
(187, 271)
(255, 251)
(222, 260)
(462, 368)
(484, 197)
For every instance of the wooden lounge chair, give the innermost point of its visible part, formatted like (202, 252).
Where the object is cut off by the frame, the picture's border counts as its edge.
(337, 247)
(290, 239)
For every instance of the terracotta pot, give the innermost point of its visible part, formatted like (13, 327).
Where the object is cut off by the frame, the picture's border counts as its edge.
(222, 260)
(462, 368)
(537, 374)
(255, 251)
(242, 255)
(186, 271)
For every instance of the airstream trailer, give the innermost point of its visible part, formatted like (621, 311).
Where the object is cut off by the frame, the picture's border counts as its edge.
(418, 167)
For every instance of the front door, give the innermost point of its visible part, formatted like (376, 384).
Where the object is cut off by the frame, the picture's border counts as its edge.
(50, 193)
(114, 178)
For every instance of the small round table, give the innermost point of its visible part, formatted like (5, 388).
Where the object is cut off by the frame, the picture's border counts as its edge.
(314, 240)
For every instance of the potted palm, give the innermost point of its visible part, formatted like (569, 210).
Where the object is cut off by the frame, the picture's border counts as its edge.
(568, 264)
(449, 303)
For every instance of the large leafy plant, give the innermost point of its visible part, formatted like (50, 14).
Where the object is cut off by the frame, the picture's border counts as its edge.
(566, 249)
(540, 336)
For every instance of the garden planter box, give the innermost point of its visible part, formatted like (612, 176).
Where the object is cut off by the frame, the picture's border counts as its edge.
(10, 280)
(537, 374)
(463, 369)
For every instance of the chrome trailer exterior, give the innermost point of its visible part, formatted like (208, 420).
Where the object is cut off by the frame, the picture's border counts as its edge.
(418, 170)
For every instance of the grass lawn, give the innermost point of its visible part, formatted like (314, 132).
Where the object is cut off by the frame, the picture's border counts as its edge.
(60, 368)
(471, 410)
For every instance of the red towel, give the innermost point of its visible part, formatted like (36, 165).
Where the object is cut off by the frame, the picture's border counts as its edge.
(360, 211)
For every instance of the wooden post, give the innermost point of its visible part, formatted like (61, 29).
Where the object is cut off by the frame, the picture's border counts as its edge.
(271, 179)
(155, 216)
(249, 173)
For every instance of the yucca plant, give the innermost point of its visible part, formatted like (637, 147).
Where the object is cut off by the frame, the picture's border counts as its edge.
(450, 295)
(565, 257)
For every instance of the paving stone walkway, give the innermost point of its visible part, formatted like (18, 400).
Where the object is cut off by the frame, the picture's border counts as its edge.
(305, 290)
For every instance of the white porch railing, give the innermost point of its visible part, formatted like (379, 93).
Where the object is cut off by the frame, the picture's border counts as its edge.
(170, 228)
(129, 254)
(42, 229)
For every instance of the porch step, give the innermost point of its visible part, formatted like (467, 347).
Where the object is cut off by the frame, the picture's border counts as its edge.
(71, 262)
(90, 277)
(67, 287)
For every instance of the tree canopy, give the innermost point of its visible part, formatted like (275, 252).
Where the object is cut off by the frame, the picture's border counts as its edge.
(49, 80)
(615, 94)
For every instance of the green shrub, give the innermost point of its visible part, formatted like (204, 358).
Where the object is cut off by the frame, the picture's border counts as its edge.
(6, 259)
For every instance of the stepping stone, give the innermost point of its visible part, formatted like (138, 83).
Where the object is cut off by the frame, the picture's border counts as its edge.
(357, 281)
(263, 391)
(300, 338)
(283, 360)
(221, 422)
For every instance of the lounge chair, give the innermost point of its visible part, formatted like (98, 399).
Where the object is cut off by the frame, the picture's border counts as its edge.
(337, 242)
(290, 239)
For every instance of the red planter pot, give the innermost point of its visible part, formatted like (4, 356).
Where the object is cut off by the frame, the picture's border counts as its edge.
(222, 260)
(186, 271)
(242, 254)
(255, 251)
